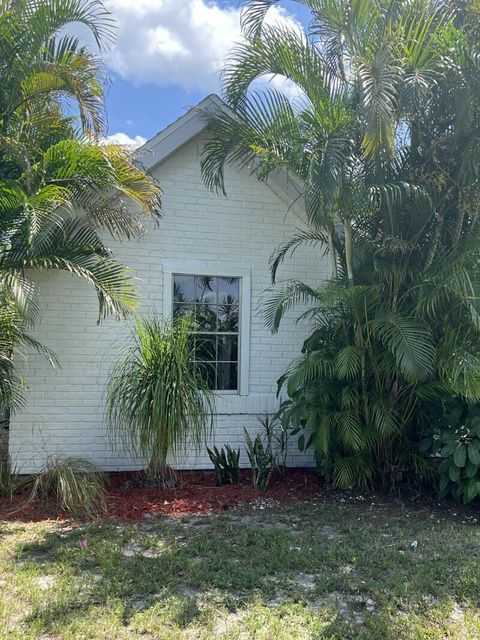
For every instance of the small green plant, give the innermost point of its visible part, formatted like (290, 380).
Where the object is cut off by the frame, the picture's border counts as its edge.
(262, 460)
(10, 482)
(226, 463)
(76, 484)
(277, 436)
(268, 451)
(457, 442)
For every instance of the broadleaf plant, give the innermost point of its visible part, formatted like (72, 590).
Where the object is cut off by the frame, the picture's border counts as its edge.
(457, 443)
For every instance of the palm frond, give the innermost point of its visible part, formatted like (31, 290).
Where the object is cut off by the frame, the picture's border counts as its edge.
(350, 431)
(285, 298)
(410, 343)
(379, 79)
(253, 14)
(384, 419)
(46, 20)
(309, 368)
(72, 246)
(279, 51)
(301, 237)
(263, 133)
(348, 362)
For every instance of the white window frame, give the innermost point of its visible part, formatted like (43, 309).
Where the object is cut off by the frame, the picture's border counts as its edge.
(194, 268)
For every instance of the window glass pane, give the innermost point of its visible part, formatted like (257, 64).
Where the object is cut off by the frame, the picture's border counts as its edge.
(183, 288)
(228, 348)
(227, 376)
(228, 317)
(227, 290)
(183, 309)
(205, 347)
(205, 289)
(213, 303)
(205, 317)
(208, 372)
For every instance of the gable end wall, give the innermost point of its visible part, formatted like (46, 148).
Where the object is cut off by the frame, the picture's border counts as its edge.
(64, 410)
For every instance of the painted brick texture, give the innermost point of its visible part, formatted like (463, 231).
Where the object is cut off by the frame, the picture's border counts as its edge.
(64, 409)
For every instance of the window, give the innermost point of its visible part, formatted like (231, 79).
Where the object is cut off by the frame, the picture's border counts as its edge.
(213, 303)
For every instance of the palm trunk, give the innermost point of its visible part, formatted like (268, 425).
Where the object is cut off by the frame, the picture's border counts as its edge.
(159, 473)
(332, 253)
(347, 226)
(458, 226)
(414, 135)
(435, 240)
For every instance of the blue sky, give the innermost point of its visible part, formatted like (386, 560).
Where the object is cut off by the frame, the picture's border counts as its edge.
(167, 57)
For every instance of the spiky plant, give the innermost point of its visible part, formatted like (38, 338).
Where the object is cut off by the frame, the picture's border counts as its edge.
(10, 482)
(157, 401)
(76, 484)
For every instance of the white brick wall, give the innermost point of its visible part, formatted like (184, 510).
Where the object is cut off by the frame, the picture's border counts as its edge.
(64, 410)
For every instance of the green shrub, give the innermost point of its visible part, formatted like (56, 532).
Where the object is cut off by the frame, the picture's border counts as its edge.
(260, 453)
(276, 436)
(396, 322)
(10, 482)
(261, 460)
(268, 451)
(157, 401)
(226, 464)
(76, 484)
(457, 442)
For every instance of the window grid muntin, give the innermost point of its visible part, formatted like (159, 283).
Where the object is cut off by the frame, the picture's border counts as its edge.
(216, 304)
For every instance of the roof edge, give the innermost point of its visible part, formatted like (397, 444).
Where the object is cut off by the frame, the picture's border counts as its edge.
(179, 133)
(188, 126)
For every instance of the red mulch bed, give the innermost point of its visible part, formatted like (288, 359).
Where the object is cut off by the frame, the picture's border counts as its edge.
(196, 493)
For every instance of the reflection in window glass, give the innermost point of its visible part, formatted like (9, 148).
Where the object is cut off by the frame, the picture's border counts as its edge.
(183, 288)
(212, 302)
(205, 318)
(228, 348)
(205, 289)
(228, 317)
(228, 290)
(227, 375)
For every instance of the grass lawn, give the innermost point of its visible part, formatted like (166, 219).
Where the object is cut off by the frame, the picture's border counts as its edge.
(269, 571)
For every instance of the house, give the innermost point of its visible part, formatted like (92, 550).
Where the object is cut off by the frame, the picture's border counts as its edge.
(209, 248)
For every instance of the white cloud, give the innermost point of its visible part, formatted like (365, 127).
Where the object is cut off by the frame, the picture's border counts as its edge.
(279, 83)
(177, 42)
(125, 140)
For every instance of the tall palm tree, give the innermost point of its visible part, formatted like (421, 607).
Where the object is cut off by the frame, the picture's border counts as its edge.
(61, 189)
(42, 66)
(364, 71)
(383, 137)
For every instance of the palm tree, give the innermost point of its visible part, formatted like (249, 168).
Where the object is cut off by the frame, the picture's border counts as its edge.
(363, 72)
(383, 137)
(43, 67)
(60, 189)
